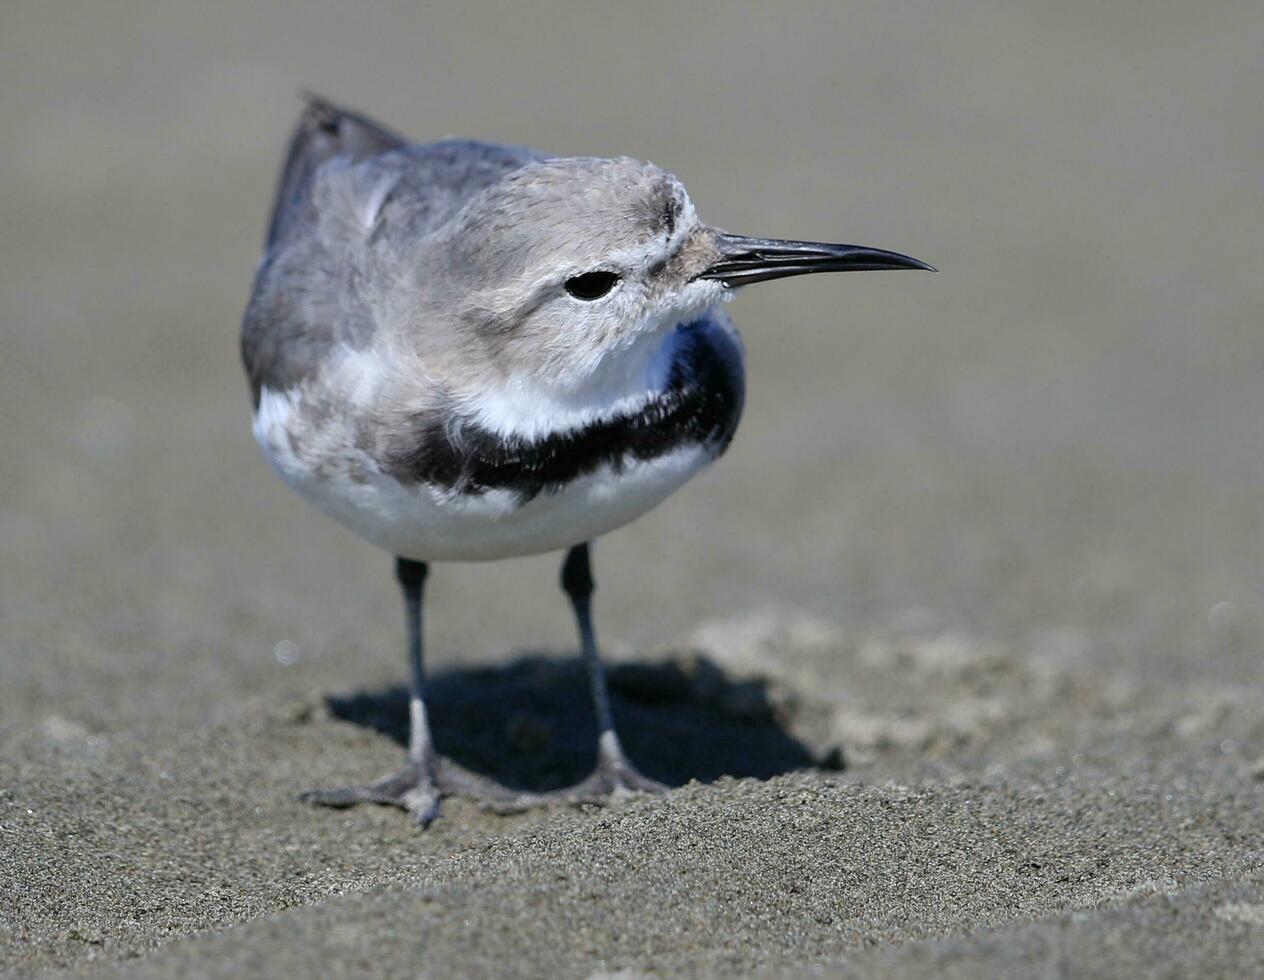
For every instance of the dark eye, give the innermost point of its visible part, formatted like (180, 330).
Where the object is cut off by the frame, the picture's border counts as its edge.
(591, 285)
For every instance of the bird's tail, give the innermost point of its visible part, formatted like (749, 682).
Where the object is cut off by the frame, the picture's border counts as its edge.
(324, 130)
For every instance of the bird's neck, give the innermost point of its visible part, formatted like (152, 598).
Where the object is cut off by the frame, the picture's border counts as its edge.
(623, 382)
(697, 408)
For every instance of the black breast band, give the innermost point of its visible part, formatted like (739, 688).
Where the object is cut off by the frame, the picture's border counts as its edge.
(700, 405)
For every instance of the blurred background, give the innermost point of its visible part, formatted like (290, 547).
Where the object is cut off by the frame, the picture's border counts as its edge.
(1056, 443)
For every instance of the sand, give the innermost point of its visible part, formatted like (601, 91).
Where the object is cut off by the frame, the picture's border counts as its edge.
(1139, 852)
(954, 661)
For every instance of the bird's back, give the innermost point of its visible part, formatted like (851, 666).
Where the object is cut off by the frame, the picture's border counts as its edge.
(343, 174)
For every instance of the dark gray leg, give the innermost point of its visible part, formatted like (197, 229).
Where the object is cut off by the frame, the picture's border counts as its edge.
(614, 775)
(412, 580)
(427, 777)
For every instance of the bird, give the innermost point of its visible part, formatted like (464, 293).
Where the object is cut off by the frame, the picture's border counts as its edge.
(468, 351)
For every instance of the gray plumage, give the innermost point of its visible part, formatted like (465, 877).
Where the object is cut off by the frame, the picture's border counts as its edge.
(459, 221)
(309, 292)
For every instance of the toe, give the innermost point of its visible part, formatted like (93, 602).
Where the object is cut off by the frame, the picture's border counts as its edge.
(337, 797)
(424, 805)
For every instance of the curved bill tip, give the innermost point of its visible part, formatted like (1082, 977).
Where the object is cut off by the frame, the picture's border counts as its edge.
(744, 260)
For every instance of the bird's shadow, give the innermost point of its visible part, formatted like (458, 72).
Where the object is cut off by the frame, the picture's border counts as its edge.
(530, 723)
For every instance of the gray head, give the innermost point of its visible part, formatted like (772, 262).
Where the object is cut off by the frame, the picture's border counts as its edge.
(565, 263)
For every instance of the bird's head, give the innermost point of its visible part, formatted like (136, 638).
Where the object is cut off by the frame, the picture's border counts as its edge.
(575, 270)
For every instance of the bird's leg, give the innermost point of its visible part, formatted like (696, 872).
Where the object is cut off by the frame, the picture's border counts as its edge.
(614, 775)
(427, 777)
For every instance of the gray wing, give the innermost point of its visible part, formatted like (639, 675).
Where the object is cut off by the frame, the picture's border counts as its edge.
(344, 172)
(324, 130)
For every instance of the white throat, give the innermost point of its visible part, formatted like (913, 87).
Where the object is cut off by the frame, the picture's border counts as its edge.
(623, 382)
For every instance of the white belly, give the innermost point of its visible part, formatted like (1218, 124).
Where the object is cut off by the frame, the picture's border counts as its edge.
(428, 524)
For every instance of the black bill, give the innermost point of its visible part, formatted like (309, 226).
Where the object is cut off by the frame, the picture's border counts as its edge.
(745, 260)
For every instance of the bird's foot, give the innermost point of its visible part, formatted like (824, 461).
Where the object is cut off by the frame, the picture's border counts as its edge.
(419, 788)
(614, 779)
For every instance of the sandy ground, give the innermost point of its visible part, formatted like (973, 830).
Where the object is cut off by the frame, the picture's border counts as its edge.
(955, 658)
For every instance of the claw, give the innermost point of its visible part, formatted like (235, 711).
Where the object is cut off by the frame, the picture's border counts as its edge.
(418, 788)
(614, 779)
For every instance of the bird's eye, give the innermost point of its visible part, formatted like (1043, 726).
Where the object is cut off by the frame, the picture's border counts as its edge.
(592, 285)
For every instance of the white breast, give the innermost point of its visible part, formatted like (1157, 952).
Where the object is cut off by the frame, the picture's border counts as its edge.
(425, 523)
